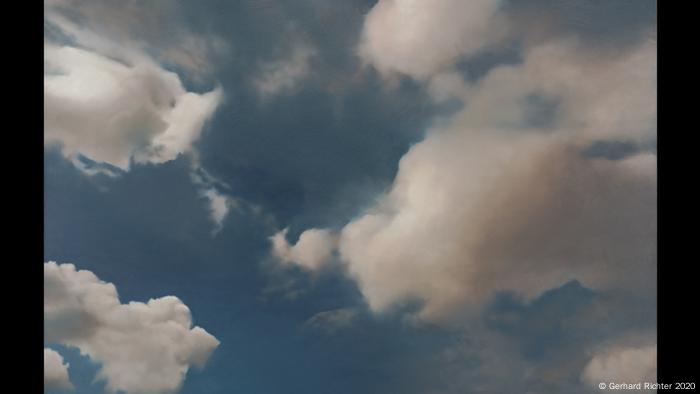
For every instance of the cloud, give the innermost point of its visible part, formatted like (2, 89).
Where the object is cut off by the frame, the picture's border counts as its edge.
(110, 101)
(313, 248)
(55, 371)
(501, 197)
(466, 218)
(219, 205)
(142, 347)
(419, 38)
(622, 365)
(114, 113)
(565, 87)
(284, 74)
(113, 103)
(154, 27)
(446, 85)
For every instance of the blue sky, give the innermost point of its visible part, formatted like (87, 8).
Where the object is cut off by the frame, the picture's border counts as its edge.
(468, 191)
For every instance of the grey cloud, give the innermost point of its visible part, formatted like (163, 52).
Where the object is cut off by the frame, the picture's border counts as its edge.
(55, 371)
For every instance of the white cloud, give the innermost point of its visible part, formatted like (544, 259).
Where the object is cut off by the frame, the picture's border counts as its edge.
(419, 38)
(283, 75)
(112, 102)
(593, 94)
(142, 347)
(114, 112)
(55, 371)
(491, 200)
(108, 97)
(472, 214)
(313, 248)
(622, 365)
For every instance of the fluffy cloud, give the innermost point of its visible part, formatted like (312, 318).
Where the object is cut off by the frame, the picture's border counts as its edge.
(55, 371)
(501, 196)
(622, 365)
(108, 99)
(562, 87)
(314, 247)
(114, 112)
(419, 38)
(108, 96)
(142, 347)
(472, 215)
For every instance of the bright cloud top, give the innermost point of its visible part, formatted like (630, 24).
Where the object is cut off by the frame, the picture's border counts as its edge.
(114, 112)
(142, 347)
(55, 371)
(313, 248)
(419, 38)
(112, 102)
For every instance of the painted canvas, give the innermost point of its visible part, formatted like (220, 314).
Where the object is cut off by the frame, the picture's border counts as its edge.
(342, 197)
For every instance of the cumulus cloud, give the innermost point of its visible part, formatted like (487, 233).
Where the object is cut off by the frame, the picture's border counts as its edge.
(500, 196)
(467, 218)
(55, 371)
(142, 347)
(282, 75)
(314, 247)
(108, 97)
(622, 365)
(114, 112)
(109, 100)
(419, 38)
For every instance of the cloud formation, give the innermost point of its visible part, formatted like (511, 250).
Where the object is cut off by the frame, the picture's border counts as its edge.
(55, 371)
(110, 95)
(500, 196)
(419, 38)
(142, 347)
(314, 247)
(116, 112)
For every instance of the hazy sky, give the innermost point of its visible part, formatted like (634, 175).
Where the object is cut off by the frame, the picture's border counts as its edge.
(398, 196)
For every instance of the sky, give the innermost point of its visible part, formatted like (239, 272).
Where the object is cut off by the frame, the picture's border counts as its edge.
(393, 196)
